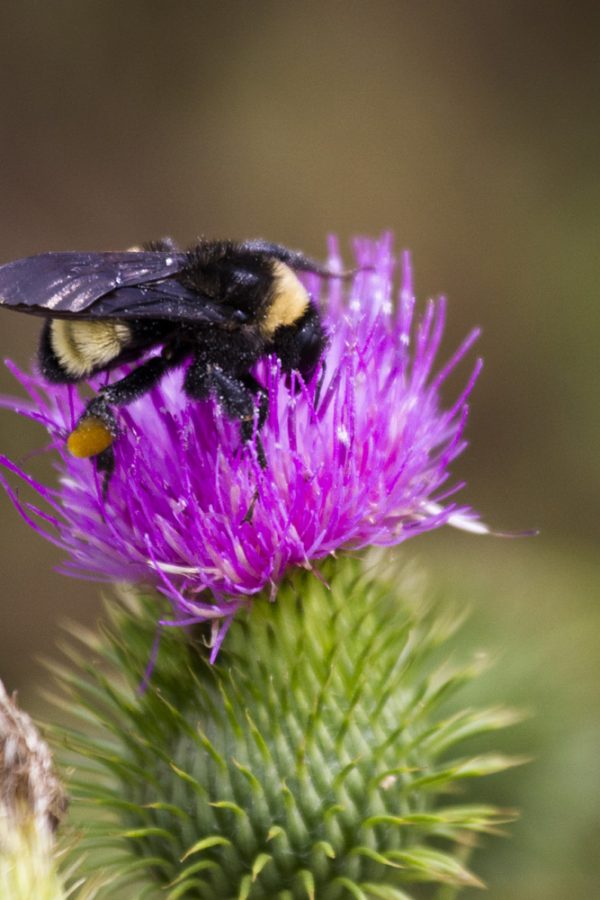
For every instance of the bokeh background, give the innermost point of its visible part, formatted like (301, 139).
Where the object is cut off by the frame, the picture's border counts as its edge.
(469, 128)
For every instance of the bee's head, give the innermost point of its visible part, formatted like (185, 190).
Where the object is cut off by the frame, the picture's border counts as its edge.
(311, 342)
(301, 345)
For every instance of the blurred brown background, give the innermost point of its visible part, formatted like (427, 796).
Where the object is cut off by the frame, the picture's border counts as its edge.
(469, 128)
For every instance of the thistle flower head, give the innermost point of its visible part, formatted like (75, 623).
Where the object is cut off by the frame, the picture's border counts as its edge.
(360, 456)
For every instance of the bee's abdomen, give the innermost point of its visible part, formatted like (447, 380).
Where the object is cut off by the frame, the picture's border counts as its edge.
(82, 347)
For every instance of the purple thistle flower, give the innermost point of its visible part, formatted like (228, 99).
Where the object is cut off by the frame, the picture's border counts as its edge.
(358, 457)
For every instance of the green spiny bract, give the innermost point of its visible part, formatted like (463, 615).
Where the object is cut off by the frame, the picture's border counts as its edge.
(310, 762)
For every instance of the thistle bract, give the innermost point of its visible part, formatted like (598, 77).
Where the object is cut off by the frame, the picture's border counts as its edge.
(316, 759)
(358, 457)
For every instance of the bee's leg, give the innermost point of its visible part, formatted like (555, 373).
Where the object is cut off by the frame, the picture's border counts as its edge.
(136, 384)
(125, 391)
(96, 428)
(105, 464)
(319, 386)
(237, 396)
(260, 397)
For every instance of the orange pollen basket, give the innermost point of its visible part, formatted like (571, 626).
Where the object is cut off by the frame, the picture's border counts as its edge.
(89, 438)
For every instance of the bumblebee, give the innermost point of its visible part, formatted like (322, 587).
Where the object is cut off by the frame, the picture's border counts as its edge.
(218, 307)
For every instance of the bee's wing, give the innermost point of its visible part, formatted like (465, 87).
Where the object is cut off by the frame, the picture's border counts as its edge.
(131, 285)
(167, 299)
(68, 283)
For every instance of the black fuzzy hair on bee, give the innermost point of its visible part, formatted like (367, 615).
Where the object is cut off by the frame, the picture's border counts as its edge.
(219, 306)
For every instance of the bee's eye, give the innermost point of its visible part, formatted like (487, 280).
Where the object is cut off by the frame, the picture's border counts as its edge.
(238, 315)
